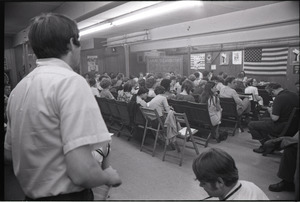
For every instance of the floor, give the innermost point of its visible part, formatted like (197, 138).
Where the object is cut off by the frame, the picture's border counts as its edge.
(149, 178)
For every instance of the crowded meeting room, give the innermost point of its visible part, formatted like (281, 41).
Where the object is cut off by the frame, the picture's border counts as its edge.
(151, 100)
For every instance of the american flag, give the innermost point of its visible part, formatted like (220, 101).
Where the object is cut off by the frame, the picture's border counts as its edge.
(266, 61)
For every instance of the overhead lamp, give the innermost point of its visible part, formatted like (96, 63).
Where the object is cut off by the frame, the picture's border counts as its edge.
(146, 13)
(168, 7)
(95, 28)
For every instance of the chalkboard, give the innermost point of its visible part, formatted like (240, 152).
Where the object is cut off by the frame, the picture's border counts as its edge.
(164, 64)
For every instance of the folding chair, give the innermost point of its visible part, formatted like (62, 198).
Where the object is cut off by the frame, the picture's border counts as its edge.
(154, 124)
(186, 133)
(105, 111)
(125, 119)
(115, 115)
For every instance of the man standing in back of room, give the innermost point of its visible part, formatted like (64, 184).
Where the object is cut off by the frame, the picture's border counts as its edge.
(54, 122)
(217, 173)
(278, 114)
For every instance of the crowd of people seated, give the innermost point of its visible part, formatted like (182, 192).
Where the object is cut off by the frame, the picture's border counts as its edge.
(154, 90)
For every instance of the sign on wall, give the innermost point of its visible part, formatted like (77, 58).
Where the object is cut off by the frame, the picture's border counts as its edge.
(198, 61)
(224, 58)
(92, 63)
(236, 57)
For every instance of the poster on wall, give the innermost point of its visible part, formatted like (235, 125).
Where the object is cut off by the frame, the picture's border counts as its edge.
(198, 61)
(92, 63)
(208, 58)
(224, 58)
(295, 56)
(213, 67)
(236, 57)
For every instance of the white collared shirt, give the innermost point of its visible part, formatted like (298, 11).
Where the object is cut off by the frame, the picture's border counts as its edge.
(50, 112)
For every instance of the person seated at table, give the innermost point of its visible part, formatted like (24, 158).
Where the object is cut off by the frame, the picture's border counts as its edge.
(105, 85)
(243, 106)
(159, 102)
(217, 173)
(186, 94)
(252, 89)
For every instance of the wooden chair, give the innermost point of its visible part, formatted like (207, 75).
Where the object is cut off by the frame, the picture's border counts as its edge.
(125, 119)
(199, 118)
(230, 114)
(154, 124)
(115, 115)
(186, 133)
(105, 111)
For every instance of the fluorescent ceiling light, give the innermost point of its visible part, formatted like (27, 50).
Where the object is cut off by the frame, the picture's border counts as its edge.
(95, 29)
(157, 10)
(169, 7)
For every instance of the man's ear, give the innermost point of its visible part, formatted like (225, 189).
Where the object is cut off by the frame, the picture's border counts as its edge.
(71, 45)
(220, 182)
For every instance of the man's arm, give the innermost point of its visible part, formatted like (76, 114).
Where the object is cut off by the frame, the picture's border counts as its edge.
(273, 117)
(84, 171)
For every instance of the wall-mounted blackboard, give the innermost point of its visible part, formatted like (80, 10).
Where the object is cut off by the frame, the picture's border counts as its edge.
(164, 64)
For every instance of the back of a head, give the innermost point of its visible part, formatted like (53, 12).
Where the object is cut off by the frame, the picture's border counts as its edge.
(197, 75)
(214, 163)
(127, 86)
(188, 85)
(50, 33)
(166, 84)
(192, 77)
(142, 90)
(92, 82)
(150, 82)
(228, 80)
(105, 83)
(272, 86)
(159, 90)
(205, 73)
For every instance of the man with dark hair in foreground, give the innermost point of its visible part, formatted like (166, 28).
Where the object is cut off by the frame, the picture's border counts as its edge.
(216, 171)
(54, 122)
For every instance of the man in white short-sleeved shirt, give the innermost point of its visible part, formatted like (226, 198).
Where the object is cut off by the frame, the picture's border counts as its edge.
(54, 121)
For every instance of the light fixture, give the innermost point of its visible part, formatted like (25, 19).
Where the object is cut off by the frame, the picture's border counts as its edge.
(155, 10)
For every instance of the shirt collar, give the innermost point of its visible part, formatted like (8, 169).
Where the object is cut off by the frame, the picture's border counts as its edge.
(52, 62)
(233, 188)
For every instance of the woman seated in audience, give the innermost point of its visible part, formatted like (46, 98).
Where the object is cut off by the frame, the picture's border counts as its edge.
(94, 89)
(100, 79)
(186, 94)
(105, 85)
(150, 81)
(240, 86)
(198, 90)
(252, 89)
(211, 98)
(178, 85)
(125, 94)
(119, 79)
(159, 102)
(140, 96)
(166, 84)
(219, 82)
(172, 84)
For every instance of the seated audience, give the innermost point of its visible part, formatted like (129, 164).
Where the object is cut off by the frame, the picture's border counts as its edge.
(252, 89)
(125, 94)
(186, 94)
(219, 82)
(142, 82)
(287, 166)
(210, 96)
(198, 76)
(198, 90)
(228, 92)
(140, 97)
(192, 78)
(178, 84)
(207, 75)
(244, 76)
(100, 79)
(158, 77)
(105, 85)
(159, 102)
(217, 173)
(278, 115)
(150, 81)
(94, 89)
(172, 84)
(166, 84)
(119, 79)
(240, 87)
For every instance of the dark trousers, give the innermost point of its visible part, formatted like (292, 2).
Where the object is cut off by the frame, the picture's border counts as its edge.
(85, 195)
(262, 130)
(287, 165)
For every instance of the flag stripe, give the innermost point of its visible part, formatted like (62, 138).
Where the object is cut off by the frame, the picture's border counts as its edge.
(266, 61)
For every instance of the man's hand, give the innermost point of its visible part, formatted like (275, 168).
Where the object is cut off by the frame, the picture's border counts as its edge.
(115, 179)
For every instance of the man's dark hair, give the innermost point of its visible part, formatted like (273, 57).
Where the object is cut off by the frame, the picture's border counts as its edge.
(159, 90)
(50, 33)
(272, 86)
(197, 75)
(166, 84)
(214, 163)
(228, 80)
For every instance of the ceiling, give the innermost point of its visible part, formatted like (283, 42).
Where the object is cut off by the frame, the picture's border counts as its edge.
(18, 14)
